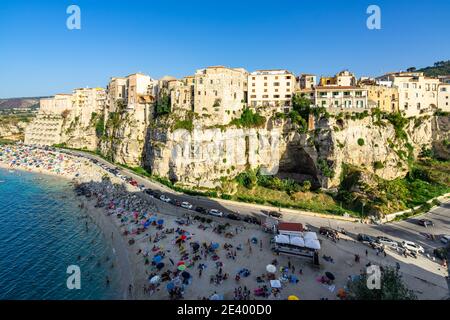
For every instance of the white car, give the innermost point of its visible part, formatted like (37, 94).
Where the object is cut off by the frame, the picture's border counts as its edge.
(387, 242)
(445, 239)
(186, 205)
(164, 198)
(215, 212)
(411, 246)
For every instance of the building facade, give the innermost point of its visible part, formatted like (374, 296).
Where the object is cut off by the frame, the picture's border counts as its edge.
(417, 94)
(379, 96)
(271, 89)
(444, 97)
(220, 93)
(341, 98)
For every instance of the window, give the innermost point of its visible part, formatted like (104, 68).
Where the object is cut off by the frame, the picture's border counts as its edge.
(287, 96)
(265, 84)
(265, 78)
(253, 78)
(335, 93)
(418, 106)
(253, 96)
(288, 90)
(276, 90)
(288, 77)
(276, 84)
(405, 86)
(199, 93)
(276, 96)
(253, 90)
(253, 84)
(265, 90)
(276, 77)
(265, 96)
(288, 84)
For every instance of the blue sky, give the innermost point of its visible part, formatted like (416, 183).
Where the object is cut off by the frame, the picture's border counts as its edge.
(40, 56)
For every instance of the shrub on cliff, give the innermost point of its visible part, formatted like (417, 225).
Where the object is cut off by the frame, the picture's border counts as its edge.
(249, 119)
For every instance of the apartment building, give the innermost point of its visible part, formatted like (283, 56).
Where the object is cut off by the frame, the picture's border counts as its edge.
(271, 88)
(341, 98)
(417, 94)
(220, 93)
(444, 97)
(340, 93)
(86, 101)
(344, 79)
(56, 104)
(116, 92)
(380, 96)
(306, 85)
(182, 93)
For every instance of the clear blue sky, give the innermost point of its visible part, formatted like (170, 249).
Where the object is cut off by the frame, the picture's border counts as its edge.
(40, 56)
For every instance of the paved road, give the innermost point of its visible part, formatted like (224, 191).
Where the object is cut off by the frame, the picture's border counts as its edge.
(403, 230)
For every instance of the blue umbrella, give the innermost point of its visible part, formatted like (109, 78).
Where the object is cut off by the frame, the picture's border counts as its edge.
(146, 224)
(215, 245)
(160, 222)
(170, 286)
(157, 259)
(152, 218)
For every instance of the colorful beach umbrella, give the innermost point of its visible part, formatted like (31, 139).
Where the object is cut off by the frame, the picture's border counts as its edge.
(293, 298)
(182, 267)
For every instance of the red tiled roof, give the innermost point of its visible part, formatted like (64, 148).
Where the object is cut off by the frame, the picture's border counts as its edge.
(290, 226)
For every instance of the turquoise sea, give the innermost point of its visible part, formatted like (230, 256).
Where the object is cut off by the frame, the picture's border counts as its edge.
(42, 232)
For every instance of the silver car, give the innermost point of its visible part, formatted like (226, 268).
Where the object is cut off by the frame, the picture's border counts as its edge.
(387, 242)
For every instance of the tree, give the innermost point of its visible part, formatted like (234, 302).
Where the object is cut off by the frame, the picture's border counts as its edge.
(392, 287)
(163, 105)
(302, 105)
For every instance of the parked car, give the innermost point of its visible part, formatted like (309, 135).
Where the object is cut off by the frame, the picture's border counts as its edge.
(215, 212)
(425, 222)
(134, 183)
(253, 220)
(164, 198)
(200, 210)
(411, 246)
(233, 216)
(275, 214)
(368, 240)
(445, 239)
(327, 231)
(387, 242)
(186, 205)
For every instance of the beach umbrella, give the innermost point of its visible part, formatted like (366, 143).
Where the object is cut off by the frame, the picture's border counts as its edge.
(215, 297)
(292, 297)
(275, 283)
(146, 224)
(160, 222)
(160, 265)
(182, 267)
(330, 275)
(180, 263)
(183, 237)
(155, 279)
(185, 275)
(271, 268)
(170, 286)
(215, 245)
(157, 259)
(151, 219)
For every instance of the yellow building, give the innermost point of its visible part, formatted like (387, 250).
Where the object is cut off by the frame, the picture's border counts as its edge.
(382, 97)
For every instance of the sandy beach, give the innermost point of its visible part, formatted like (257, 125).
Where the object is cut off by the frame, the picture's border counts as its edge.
(168, 252)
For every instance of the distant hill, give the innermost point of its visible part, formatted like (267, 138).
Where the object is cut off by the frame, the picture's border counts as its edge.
(19, 103)
(440, 68)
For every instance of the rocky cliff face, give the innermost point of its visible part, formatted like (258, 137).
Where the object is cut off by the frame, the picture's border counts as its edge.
(12, 130)
(201, 157)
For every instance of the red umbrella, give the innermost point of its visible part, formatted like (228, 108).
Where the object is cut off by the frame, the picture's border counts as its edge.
(183, 237)
(180, 263)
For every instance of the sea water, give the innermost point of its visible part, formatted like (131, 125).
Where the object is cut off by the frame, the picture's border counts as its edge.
(42, 232)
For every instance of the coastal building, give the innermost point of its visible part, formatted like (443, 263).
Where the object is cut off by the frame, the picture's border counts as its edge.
(344, 79)
(306, 86)
(220, 93)
(341, 98)
(444, 97)
(86, 102)
(340, 93)
(182, 93)
(45, 129)
(271, 89)
(380, 96)
(418, 94)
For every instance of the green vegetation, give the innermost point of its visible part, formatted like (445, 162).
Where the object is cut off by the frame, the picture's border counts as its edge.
(360, 141)
(163, 105)
(392, 287)
(440, 68)
(324, 167)
(287, 193)
(378, 165)
(183, 124)
(249, 119)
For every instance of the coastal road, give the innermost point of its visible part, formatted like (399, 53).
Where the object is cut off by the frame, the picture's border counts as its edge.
(407, 229)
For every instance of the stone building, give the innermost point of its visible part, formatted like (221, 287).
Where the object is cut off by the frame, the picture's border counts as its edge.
(341, 98)
(444, 97)
(417, 94)
(344, 78)
(271, 89)
(381, 96)
(220, 93)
